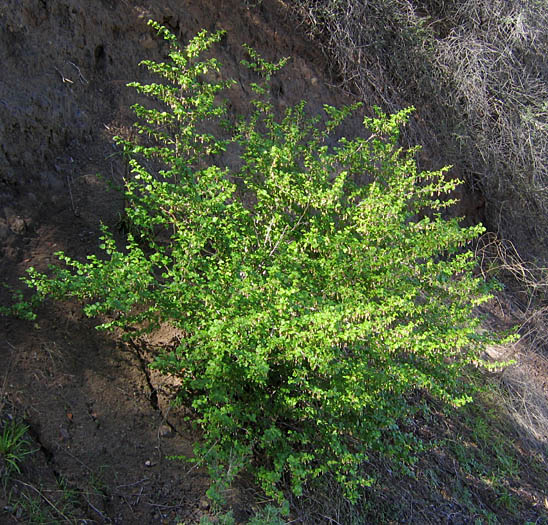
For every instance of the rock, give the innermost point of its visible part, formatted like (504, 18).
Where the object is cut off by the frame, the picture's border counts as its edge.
(15, 223)
(166, 431)
(18, 225)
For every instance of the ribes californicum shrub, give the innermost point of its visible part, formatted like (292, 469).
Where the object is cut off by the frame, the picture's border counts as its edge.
(310, 307)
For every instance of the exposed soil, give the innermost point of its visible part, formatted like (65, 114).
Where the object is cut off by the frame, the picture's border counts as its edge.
(100, 420)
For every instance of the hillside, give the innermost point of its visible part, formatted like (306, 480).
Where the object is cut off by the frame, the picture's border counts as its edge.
(100, 423)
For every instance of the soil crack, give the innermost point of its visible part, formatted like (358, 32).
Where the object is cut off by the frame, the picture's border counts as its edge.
(153, 391)
(48, 454)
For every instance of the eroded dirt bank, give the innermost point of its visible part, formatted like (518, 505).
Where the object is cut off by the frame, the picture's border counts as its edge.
(100, 419)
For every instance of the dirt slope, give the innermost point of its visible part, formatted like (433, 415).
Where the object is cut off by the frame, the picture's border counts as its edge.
(100, 419)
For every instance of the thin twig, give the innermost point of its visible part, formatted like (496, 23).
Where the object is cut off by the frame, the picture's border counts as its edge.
(295, 226)
(82, 78)
(132, 484)
(105, 518)
(79, 461)
(129, 505)
(139, 496)
(51, 504)
(65, 79)
(165, 506)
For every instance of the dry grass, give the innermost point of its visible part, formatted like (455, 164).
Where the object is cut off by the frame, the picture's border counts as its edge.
(477, 71)
(523, 386)
(526, 400)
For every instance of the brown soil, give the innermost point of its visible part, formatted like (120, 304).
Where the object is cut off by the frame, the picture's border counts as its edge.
(100, 419)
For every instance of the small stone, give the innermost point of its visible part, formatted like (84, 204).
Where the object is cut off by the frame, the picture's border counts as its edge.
(165, 431)
(17, 225)
(148, 463)
(204, 504)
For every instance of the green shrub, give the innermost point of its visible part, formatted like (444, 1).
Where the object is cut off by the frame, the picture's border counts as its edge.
(310, 307)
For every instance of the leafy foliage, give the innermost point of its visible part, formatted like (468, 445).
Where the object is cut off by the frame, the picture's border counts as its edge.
(13, 447)
(311, 304)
